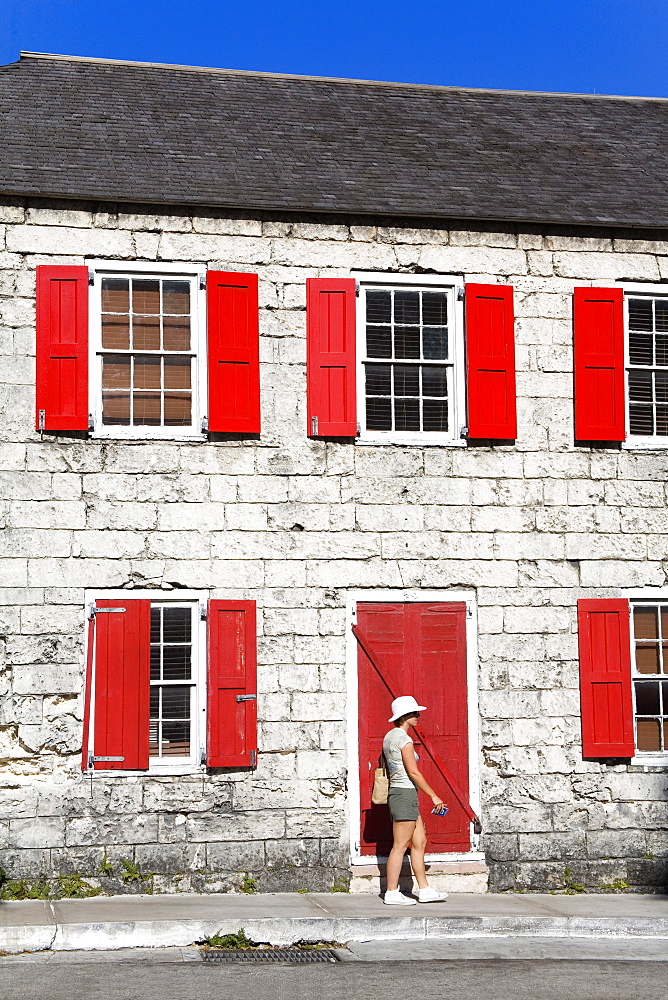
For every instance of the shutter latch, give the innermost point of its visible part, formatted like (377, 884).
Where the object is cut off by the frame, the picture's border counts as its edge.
(42, 420)
(246, 697)
(314, 426)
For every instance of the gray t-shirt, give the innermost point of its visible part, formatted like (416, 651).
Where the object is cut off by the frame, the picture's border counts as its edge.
(392, 746)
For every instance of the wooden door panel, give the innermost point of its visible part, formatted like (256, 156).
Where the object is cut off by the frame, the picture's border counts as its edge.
(421, 648)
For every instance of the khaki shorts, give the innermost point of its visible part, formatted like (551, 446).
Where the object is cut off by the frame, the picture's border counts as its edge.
(403, 803)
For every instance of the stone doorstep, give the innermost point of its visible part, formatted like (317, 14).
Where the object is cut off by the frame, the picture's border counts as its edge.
(446, 876)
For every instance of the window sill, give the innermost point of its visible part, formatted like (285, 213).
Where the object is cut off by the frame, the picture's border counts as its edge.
(645, 444)
(414, 441)
(173, 770)
(651, 759)
(192, 438)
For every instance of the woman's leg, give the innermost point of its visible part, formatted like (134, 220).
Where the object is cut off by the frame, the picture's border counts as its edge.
(418, 845)
(403, 833)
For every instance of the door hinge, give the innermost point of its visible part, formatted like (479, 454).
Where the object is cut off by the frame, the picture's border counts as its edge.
(460, 293)
(246, 697)
(253, 758)
(314, 426)
(42, 419)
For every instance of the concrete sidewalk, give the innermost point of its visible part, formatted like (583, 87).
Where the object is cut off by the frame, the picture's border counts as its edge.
(114, 922)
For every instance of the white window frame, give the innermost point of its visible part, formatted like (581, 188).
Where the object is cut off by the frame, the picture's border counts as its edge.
(636, 442)
(457, 404)
(649, 595)
(195, 763)
(354, 598)
(196, 273)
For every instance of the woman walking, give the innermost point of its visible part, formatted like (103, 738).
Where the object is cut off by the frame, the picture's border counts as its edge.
(407, 825)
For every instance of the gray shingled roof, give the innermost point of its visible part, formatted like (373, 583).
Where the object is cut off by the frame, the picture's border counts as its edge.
(94, 129)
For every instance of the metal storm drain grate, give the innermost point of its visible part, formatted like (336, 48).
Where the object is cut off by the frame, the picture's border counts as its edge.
(299, 956)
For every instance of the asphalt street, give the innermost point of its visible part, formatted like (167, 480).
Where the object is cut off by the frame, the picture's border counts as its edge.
(440, 980)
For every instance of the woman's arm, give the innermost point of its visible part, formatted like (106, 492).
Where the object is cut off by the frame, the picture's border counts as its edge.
(408, 757)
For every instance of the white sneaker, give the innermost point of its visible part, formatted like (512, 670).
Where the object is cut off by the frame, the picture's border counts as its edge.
(395, 897)
(429, 895)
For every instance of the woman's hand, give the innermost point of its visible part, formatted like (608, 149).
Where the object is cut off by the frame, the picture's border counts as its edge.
(437, 801)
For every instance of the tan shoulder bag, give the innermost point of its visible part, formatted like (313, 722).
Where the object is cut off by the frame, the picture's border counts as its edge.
(381, 786)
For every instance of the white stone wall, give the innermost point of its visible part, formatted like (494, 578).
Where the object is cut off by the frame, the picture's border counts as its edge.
(292, 523)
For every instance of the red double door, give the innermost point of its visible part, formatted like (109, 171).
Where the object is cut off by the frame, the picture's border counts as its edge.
(415, 649)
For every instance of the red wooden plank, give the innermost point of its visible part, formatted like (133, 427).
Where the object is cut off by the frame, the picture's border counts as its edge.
(233, 352)
(490, 362)
(605, 678)
(330, 357)
(232, 674)
(62, 348)
(598, 331)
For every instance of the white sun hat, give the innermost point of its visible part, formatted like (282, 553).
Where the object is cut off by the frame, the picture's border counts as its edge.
(405, 705)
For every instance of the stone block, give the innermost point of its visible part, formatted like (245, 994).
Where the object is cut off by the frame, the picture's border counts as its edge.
(39, 832)
(235, 827)
(170, 858)
(288, 736)
(59, 678)
(320, 764)
(295, 853)
(552, 846)
(80, 242)
(316, 707)
(616, 843)
(235, 857)
(116, 829)
(600, 267)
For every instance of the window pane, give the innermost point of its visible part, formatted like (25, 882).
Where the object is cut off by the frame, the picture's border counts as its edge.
(155, 702)
(664, 692)
(647, 699)
(434, 343)
(177, 625)
(378, 307)
(378, 414)
(645, 622)
(661, 387)
(378, 380)
(115, 332)
(175, 739)
(176, 333)
(115, 295)
(434, 381)
(406, 380)
(176, 297)
(146, 333)
(153, 744)
(641, 349)
(640, 387)
(661, 314)
(155, 663)
(640, 314)
(641, 419)
(155, 624)
(116, 372)
(146, 297)
(178, 409)
(116, 408)
(434, 308)
(406, 307)
(649, 734)
(662, 420)
(379, 341)
(176, 703)
(435, 415)
(147, 373)
(407, 414)
(647, 658)
(146, 408)
(176, 663)
(177, 373)
(662, 350)
(407, 342)
(664, 622)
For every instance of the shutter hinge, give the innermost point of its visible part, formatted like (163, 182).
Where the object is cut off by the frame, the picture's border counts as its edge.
(469, 611)
(202, 611)
(95, 760)
(359, 428)
(253, 758)
(460, 293)
(202, 755)
(463, 431)
(205, 425)
(246, 697)
(105, 611)
(314, 426)
(91, 276)
(357, 289)
(42, 420)
(91, 422)
(202, 282)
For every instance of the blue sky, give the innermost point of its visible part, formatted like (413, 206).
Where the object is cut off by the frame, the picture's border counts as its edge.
(586, 46)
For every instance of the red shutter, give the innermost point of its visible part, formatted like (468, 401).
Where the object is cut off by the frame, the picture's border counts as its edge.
(233, 352)
(605, 678)
(490, 362)
(121, 685)
(598, 321)
(330, 357)
(232, 685)
(62, 348)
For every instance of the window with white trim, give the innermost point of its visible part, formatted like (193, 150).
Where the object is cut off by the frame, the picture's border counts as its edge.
(410, 370)
(147, 352)
(649, 666)
(174, 677)
(647, 366)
